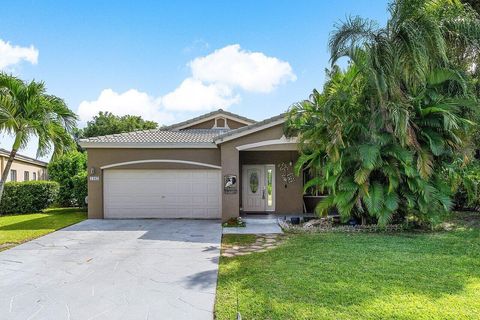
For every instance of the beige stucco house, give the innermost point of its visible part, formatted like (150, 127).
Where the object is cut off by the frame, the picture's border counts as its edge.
(23, 168)
(215, 166)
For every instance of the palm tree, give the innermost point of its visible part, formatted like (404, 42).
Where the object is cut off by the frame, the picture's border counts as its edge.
(27, 112)
(380, 131)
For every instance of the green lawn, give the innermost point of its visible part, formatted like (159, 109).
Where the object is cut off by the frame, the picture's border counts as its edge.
(16, 229)
(356, 276)
(238, 239)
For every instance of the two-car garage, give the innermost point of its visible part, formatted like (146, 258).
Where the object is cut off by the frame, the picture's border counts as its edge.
(163, 193)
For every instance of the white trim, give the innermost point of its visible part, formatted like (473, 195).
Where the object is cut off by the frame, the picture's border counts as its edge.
(175, 128)
(250, 131)
(200, 164)
(274, 184)
(282, 140)
(245, 185)
(225, 126)
(92, 145)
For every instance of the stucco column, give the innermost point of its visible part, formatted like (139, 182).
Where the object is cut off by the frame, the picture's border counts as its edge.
(230, 165)
(95, 188)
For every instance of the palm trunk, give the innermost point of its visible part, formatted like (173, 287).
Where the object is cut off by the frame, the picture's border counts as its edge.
(6, 171)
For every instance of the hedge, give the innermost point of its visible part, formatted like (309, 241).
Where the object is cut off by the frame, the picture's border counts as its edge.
(80, 189)
(28, 197)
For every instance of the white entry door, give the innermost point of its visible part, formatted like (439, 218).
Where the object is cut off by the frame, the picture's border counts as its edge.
(258, 188)
(162, 193)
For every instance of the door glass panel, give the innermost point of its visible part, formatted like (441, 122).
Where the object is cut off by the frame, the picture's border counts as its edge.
(254, 181)
(269, 187)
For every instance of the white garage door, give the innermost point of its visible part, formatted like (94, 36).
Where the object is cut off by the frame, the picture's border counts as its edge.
(162, 194)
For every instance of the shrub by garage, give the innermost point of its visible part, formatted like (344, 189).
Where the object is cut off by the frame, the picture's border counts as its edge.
(80, 188)
(28, 197)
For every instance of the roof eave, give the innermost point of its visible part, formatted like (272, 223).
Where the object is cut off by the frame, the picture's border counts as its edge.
(209, 116)
(244, 131)
(110, 145)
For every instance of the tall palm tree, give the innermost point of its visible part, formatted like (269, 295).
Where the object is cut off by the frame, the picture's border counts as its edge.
(28, 112)
(380, 129)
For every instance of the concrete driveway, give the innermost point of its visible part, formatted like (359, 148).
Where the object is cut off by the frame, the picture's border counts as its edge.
(114, 269)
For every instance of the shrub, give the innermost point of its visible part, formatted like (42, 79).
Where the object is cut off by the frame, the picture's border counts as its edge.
(464, 180)
(80, 190)
(28, 197)
(63, 170)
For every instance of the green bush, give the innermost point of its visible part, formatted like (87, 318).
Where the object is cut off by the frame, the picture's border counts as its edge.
(63, 170)
(464, 180)
(80, 190)
(28, 197)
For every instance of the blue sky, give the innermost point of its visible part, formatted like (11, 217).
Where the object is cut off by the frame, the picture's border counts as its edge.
(174, 60)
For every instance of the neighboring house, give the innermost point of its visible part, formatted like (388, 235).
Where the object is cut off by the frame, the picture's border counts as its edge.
(213, 166)
(23, 168)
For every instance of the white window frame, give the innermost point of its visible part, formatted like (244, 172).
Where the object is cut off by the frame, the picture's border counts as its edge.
(13, 175)
(215, 126)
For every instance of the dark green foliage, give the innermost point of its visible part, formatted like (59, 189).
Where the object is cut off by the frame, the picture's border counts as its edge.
(107, 123)
(379, 135)
(64, 169)
(80, 188)
(474, 3)
(28, 197)
(465, 183)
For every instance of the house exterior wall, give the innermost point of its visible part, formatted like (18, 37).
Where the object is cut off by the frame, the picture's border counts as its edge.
(21, 167)
(98, 158)
(288, 196)
(230, 162)
(203, 125)
(232, 124)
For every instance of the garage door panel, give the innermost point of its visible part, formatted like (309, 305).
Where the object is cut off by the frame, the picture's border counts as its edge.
(162, 193)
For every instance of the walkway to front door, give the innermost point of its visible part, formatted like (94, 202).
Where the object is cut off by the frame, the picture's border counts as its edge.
(258, 191)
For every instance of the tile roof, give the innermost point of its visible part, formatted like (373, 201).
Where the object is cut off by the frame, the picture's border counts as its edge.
(169, 136)
(162, 136)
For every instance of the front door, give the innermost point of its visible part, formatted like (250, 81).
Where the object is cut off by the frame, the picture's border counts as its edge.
(258, 185)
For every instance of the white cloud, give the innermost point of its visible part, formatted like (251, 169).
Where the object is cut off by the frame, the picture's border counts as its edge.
(193, 95)
(251, 71)
(11, 55)
(131, 102)
(212, 85)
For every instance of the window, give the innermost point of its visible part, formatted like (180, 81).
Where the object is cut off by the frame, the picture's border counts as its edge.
(13, 175)
(34, 176)
(220, 123)
(269, 187)
(26, 176)
(253, 181)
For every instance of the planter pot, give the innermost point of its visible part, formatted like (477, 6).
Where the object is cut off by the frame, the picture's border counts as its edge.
(295, 220)
(352, 222)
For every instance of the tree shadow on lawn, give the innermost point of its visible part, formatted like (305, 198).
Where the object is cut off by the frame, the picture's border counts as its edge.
(343, 271)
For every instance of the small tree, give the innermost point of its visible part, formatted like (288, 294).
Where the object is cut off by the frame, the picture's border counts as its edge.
(26, 112)
(64, 170)
(107, 123)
